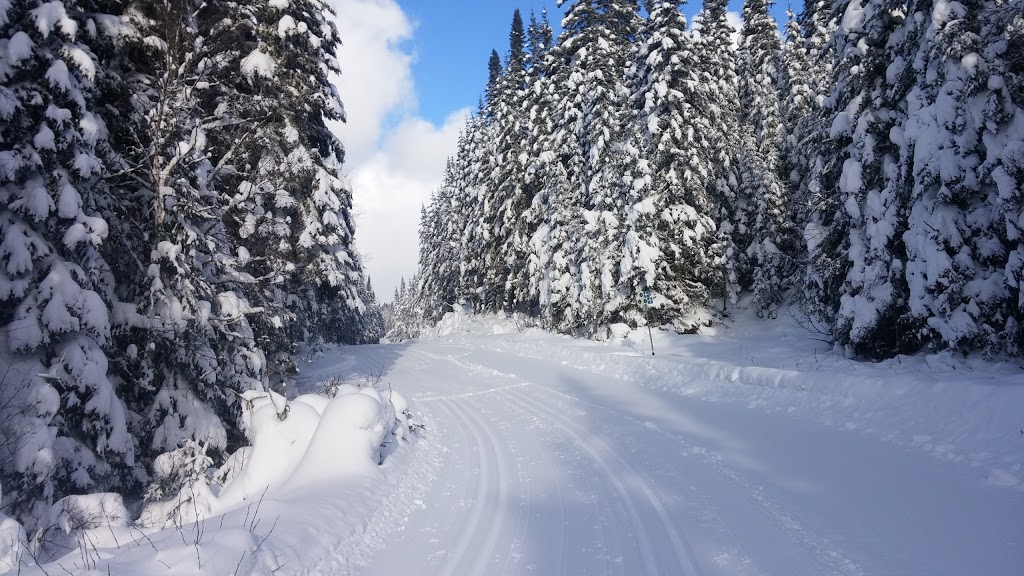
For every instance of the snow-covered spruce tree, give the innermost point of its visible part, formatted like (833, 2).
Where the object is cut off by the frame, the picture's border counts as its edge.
(406, 317)
(858, 278)
(476, 235)
(184, 319)
(511, 235)
(431, 266)
(670, 232)
(806, 129)
(330, 271)
(719, 104)
(553, 199)
(596, 45)
(439, 268)
(957, 246)
(771, 248)
(373, 318)
(797, 102)
(55, 287)
(456, 205)
(1002, 42)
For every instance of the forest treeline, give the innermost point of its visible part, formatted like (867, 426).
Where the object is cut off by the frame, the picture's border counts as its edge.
(174, 227)
(866, 164)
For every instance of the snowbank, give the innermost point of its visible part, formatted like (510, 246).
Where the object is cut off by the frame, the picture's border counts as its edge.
(310, 478)
(973, 404)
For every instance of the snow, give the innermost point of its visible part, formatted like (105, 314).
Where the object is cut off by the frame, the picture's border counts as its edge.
(52, 14)
(751, 448)
(82, 60)
(316, 478)
(19, 47)
(851, 180)
(285, 26)
(59, 76)
(12, 544)
(258, 63)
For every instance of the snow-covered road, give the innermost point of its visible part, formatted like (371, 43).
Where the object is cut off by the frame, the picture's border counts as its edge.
(549, 467)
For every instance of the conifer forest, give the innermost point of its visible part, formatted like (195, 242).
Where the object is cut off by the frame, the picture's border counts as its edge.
(865, 162)
(177, 230)
(173, 226)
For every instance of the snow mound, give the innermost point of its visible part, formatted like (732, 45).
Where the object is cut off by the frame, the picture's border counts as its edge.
(346, 442)
(312, 439)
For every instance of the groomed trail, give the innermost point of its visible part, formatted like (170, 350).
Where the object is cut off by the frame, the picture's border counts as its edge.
(546, 466)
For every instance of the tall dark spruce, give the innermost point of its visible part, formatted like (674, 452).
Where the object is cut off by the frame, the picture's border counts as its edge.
(173, 222)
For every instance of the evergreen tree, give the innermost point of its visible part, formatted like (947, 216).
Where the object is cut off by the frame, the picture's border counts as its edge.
(858, 263)
(504, 286)
(373, 319)
(956, 243)
(189, 343)
(719, 104)
(1002, 41)
(549, 214)
(670, 231)
(476, 234)
(797, 102)
(56, 290)
(594, 122)
(771, 246)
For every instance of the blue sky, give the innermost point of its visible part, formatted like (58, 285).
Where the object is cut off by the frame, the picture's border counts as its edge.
(453, 40)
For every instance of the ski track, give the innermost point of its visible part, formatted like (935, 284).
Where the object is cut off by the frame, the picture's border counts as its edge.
(830, 560)
(540, 481)
(615, 469)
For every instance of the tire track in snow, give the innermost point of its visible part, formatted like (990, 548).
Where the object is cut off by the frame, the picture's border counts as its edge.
(471, 529)
(548, 461)
(523, 518)
(607, 460)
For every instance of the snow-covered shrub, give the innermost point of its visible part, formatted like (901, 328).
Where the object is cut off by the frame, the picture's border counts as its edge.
(406, 424)
(180, 492)
(338, 386)
(66, 521)
(312, 438)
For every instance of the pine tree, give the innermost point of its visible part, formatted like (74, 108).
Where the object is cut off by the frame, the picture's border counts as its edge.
(476, 234)
(373, 319)
(511, 230)
(797, 102)
(858, 264)
(189, 343)
(549, 213)
(1002, 38)
(956, 243)
(596, 43)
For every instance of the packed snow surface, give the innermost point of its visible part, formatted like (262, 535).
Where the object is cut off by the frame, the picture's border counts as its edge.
(750, 450)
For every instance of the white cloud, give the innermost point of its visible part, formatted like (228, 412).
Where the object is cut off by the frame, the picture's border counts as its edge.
(394, 158)
(391, 186)
(376, 82)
